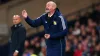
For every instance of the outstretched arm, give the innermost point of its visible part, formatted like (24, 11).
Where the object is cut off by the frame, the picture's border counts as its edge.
(33, 23)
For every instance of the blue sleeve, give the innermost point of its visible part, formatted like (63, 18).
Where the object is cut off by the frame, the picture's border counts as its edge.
(34, 23)
(63, 27)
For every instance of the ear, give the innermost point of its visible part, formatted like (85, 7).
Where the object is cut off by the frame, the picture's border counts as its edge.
(54, 7)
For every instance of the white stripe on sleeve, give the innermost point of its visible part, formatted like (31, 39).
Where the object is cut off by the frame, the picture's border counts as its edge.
(63, 22)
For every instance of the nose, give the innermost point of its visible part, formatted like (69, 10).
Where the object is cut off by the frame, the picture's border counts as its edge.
(46, 7)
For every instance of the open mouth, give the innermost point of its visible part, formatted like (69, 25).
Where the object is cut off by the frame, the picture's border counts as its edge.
(47, 10)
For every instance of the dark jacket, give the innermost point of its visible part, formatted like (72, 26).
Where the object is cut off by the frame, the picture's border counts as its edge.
(17, 38)
(56, 26)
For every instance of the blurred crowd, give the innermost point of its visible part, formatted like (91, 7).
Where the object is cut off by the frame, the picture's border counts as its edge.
(83, 38)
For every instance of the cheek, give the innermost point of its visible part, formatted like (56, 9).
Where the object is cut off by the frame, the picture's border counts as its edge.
(14, 21)
(17, 21)
(50, 7)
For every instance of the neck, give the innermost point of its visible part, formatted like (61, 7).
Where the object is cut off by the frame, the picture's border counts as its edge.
(51, 13)
(17, 24)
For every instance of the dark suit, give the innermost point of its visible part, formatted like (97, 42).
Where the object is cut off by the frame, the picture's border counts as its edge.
(17, 39)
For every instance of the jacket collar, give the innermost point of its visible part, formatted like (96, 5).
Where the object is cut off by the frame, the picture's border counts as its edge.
(17, 25)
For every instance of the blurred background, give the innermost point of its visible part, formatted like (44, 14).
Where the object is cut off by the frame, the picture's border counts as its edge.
(83, 17)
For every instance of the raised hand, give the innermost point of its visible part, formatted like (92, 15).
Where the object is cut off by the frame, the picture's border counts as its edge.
(47, 36)
(24, 14)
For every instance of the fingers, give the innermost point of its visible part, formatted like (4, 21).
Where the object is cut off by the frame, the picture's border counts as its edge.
(47, 36)
(24, 11)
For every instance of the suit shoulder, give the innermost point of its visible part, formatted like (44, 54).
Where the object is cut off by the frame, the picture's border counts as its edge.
(22, 28)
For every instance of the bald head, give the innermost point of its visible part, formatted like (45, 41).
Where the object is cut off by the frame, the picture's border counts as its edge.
(16, 16)
(51, 6)
(16, 19)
